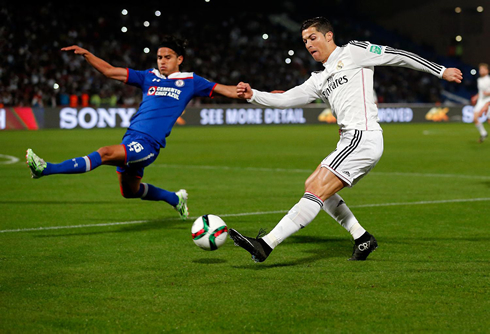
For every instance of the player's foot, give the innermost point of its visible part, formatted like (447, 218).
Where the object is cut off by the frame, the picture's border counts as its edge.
(257, 247)
(35, 163)
(182, 206)
(482, 138)
(363, 248)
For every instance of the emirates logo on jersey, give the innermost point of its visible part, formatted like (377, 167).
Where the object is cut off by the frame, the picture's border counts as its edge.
(332, 84)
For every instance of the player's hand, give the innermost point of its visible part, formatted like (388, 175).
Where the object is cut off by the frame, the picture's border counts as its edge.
(244, 91)
(452, 75)
(77, 50)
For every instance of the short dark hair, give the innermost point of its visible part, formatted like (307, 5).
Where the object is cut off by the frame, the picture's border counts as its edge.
(320, 23)
(178, 45)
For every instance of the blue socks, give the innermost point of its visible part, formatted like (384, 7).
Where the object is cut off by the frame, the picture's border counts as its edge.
(90, 162)
(157, 194)
(149, 192)
(75, 165)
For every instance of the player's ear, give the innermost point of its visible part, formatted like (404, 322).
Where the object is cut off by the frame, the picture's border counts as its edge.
(180, 59)
(329, 36)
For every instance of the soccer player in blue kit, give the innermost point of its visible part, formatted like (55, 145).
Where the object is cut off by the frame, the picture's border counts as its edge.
(166, 93)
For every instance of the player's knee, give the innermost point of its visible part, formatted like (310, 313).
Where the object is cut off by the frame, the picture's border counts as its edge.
(105, 152)
(128, 193)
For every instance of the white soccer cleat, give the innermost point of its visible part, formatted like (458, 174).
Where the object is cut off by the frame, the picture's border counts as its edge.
(182, 206)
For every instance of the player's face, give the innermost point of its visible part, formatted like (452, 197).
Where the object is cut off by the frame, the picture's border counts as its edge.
(168, 62)
(483, 71)
(316, 43)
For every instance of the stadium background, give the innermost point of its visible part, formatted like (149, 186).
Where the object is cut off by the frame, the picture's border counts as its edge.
(226, 45)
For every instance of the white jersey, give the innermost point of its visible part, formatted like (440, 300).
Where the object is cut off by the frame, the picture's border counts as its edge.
(347, 83)
(483, 86)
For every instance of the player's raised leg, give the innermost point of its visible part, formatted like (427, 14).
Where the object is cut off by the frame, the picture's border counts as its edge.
(322, 185)
(77, 165)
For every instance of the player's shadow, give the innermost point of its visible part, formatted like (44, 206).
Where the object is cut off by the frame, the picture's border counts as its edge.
(329, 248)
(157, 224)
(209, 261)
(62, 203)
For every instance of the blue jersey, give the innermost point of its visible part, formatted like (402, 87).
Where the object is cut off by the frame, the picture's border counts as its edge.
(164, 99)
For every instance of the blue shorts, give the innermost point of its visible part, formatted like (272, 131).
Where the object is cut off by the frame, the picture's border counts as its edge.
(141, 151)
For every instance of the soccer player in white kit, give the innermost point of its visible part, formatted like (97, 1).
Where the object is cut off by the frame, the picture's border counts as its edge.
(480, 99)
(347, 84)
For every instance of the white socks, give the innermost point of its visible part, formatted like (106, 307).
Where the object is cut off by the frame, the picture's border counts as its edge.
(306, 210)
(481, 128)
(338, 210)
(298, 217)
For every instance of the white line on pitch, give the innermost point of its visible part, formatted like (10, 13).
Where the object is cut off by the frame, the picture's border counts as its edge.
(245, 214)
(297, 170)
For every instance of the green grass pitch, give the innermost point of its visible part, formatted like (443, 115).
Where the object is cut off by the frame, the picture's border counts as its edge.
(77, 257)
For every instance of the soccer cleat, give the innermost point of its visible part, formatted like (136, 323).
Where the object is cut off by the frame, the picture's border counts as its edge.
(35, 163)
(363, 249)
(255, 246)
(482, 138)
(182, 206)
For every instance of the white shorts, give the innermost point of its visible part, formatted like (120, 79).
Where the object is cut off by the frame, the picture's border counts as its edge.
(479, 104)
(356, 154)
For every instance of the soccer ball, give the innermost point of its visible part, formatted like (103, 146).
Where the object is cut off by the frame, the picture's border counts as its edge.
(209, 232)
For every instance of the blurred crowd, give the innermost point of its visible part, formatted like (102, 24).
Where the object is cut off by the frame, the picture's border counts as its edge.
(222, 48)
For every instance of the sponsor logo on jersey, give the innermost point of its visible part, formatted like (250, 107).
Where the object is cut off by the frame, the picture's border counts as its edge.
(375, 49)
(333, 84)
(165, 91)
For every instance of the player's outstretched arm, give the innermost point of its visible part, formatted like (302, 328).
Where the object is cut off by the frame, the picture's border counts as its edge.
(116, 73)
(228, 91)
(452, 75)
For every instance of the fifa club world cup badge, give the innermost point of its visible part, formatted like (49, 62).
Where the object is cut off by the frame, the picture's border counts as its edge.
(375, 49)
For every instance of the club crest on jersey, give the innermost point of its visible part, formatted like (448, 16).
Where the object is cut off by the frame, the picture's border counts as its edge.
(340, 65)
(179, 83)
(375, 49)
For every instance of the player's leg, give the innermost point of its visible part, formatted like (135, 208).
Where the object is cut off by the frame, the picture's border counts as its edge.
(338, 210)
(139, 153)
(478, 124)
(132, 187)
(321, 185)
(107, 155)
(355, 156)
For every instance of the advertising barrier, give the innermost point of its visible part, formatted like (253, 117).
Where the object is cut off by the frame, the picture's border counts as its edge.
(24, 118)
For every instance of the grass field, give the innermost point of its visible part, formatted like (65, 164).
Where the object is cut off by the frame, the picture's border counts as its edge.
(77, 257)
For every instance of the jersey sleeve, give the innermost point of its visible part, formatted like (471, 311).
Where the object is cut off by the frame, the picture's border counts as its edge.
(366, 54)
(135, 78)
(203, 87)
(294, 97)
